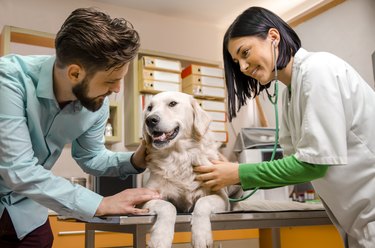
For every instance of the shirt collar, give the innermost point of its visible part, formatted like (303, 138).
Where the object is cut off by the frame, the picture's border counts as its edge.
(300, 56)
(45, 83)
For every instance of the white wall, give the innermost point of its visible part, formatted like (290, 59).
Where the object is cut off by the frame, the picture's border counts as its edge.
(347, 31)
(157, 32)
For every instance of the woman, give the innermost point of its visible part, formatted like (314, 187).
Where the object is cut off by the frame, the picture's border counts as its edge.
(326, 129)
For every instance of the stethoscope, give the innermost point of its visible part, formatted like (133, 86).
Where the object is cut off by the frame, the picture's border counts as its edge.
(273, 99)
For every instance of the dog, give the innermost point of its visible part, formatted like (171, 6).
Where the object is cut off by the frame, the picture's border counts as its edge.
(177, 138)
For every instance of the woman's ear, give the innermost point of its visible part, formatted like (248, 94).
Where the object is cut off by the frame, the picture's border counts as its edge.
(274, 36)
(201, 120)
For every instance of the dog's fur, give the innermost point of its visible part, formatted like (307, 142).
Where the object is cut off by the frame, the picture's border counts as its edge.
(176, 133)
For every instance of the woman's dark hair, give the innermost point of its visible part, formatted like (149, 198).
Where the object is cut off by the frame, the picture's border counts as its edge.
(95, 41)
(254, 21)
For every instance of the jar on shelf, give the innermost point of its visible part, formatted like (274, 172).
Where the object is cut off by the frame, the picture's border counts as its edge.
(108, 129)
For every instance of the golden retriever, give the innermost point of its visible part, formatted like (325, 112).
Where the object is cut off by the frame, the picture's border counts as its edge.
(177, 138)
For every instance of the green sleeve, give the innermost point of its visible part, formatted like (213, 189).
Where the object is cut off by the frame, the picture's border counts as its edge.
(277, 173)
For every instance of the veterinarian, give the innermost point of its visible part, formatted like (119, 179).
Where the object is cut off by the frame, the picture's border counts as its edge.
(327, 122)
(49, 101)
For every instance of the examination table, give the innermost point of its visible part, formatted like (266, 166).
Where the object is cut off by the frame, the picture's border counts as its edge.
(244, 215)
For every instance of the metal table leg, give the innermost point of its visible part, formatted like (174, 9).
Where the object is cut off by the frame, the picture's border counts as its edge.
(89, 237)
(275, 237)
(139, 237)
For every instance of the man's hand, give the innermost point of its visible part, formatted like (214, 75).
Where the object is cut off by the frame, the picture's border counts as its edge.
(125, 202)
(139, 157)
(220, 175)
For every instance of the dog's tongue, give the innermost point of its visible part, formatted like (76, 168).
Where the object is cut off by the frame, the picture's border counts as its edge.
(162, 137)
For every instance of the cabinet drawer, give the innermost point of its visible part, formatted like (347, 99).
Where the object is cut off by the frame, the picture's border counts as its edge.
(73, 233)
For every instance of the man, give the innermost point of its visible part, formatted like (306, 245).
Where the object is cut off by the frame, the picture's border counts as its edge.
(49, 101)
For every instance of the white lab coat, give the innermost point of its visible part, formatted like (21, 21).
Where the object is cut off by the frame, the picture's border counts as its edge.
(329, 118)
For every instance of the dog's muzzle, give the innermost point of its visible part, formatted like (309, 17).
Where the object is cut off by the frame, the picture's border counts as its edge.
(159, 137)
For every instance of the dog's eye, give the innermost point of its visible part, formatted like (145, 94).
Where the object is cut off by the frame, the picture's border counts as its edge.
(172, 104)
(149, 108)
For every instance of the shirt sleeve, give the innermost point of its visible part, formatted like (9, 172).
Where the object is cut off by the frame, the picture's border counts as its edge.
(277, 173)
(90, 153)
(21, 174)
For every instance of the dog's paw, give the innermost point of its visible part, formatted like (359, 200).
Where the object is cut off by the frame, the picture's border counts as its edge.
(201, 234)
(158, 244)
(202, 240)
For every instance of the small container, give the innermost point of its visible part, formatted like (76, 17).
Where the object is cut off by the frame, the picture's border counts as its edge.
(78, 180)
(108, 129)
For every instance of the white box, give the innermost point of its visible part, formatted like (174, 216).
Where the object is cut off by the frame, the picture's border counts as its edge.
(259, 155)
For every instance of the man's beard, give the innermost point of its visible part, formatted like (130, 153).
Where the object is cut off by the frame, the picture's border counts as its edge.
(81, 90)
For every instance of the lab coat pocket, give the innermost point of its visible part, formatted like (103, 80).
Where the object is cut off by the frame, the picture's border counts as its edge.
(369, 234)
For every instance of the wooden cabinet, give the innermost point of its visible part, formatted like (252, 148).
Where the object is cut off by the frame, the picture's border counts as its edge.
(32, 40)
(325, 236)
(72, 235)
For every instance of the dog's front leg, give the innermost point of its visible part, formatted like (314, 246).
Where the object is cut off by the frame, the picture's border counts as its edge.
(162, 232)
(201, 224)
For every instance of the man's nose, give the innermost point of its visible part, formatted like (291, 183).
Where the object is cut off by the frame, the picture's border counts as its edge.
(116, 87)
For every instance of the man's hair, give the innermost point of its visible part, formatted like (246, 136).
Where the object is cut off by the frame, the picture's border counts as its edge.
(95, 41)
(255, 21)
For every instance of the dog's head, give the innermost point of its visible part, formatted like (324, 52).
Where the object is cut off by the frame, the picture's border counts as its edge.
(171, 116)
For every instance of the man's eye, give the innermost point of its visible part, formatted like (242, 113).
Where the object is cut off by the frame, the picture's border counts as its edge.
(172, 104)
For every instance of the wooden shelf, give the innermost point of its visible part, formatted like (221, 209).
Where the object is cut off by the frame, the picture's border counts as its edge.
(11, 34)
(72, 234)
(115, 117)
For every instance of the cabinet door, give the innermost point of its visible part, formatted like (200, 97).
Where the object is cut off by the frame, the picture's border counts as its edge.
(72, 235)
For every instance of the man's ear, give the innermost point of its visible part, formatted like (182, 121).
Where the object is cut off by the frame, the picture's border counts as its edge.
(75, 73)
(201, 120)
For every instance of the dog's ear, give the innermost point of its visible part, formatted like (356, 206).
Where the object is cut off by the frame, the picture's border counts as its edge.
(201, 120)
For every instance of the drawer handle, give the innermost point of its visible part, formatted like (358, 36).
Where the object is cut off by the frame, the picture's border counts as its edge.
(76, 232)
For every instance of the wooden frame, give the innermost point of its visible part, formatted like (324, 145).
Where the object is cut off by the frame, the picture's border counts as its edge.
(315, 11)
(11, 34)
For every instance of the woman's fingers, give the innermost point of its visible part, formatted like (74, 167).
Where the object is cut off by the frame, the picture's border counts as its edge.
(202, 169)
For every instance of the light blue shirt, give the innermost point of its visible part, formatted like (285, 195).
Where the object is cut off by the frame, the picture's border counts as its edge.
(33, 132)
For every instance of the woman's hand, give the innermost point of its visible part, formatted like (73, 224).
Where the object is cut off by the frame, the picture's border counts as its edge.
(125, 202)
(221, 174)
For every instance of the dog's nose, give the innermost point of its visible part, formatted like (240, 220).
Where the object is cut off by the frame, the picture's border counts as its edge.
(152, 120)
